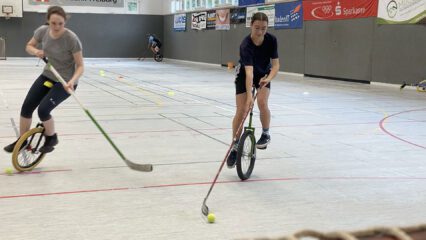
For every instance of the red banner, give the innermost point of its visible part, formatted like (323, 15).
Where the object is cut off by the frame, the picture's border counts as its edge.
(339, 9)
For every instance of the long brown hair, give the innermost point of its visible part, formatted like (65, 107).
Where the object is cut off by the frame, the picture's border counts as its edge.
(259, 16)
(56, 10)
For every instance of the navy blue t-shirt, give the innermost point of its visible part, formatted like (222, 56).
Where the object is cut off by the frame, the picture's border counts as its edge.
(259, 56)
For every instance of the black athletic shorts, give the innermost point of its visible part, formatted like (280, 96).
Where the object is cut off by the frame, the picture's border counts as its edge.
(156, 44)
(240, 80)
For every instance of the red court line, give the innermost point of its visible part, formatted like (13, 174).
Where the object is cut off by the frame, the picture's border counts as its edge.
(382, 127)
(286, 179)
(208, 183)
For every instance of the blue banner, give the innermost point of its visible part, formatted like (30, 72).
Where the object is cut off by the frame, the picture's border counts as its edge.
(238, 15)
(250, 2)
(289, 15)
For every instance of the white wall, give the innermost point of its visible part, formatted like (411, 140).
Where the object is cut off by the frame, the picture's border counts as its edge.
(153, 7)
(146, 7)
(167, 7)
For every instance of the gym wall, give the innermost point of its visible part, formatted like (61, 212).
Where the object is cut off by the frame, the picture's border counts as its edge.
(102, 35)
(356, 49)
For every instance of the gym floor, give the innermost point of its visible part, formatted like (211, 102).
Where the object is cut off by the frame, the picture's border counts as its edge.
(343, 156)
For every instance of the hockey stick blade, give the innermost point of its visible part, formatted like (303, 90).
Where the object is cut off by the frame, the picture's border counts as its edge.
(139, 167)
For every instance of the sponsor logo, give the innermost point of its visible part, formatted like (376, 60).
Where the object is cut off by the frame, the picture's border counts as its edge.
(353, 11)
(338, 9)
(323, 12)
(295, 13)
(181, 19)
(392, 9)
(199, 18)
(293, 16)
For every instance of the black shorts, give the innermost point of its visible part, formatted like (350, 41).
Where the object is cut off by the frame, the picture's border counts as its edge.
(156, 44)
(240, 80)
(46, 98)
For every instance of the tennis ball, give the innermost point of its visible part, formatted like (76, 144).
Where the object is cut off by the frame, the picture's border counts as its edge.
(102, 73)
(211, 218)
(8, 171)
(171, 93)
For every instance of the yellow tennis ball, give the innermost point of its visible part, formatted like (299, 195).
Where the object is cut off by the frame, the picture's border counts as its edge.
(8, 171)
(211, 218)
(171, 93)
(102, 73)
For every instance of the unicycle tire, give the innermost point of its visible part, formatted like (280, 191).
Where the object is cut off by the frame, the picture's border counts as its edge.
(27, 158)
(246, 155)
(158, 57)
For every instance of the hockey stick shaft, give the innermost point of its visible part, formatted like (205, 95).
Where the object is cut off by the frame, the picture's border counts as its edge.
(204, 206)
(134, 166)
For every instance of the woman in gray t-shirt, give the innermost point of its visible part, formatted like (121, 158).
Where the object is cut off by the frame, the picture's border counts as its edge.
(64, 51)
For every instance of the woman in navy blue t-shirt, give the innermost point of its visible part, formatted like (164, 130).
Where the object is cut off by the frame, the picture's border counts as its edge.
(258, 65)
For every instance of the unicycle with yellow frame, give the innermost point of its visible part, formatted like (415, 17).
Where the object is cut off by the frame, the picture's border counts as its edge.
(26, 154)
(420, 86)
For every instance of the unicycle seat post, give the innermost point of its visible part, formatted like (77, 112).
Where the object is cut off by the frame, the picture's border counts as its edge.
(251, 111)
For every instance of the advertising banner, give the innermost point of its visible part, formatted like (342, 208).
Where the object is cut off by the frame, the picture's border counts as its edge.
(250, 2)
(211, 20)
(289, 15)
(238, 15)
(180, 22)
(269, 10)
(223, 19)
(401, 12)
(199, 20)
(338, 9)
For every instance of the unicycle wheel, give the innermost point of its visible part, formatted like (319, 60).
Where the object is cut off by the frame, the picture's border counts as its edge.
(27, 157)
(158, 57)
(246, 155)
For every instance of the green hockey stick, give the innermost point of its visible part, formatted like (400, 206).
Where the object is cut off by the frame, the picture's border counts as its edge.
(131, 165)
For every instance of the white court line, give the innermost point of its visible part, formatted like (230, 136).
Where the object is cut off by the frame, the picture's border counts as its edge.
(7, 107)
(169, 88)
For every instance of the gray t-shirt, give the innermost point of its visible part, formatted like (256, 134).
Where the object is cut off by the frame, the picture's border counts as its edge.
(59, 51)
